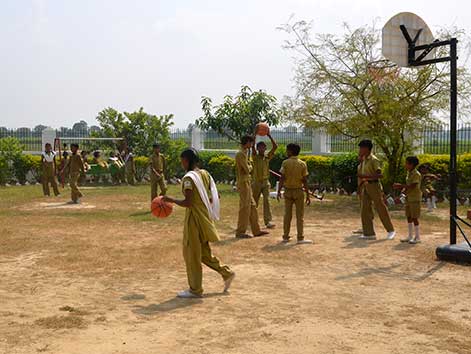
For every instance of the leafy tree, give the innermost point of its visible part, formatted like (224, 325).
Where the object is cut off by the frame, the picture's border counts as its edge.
(139, 129)
(81, 126)
(39, 128)
(238, 116)
(345, 86)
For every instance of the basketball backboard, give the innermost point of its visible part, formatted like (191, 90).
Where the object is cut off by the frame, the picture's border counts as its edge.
(394, 44)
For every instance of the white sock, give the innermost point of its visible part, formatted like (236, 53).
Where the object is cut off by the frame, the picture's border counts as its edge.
(417, 233)
(411, 228)
(434, 202)
(429, 204)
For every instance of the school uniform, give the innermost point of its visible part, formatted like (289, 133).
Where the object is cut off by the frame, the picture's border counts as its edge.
(76, 167)
(198, 231)
(247, 207)
(130, 168)
(413, 195)
(48, 173)
(427, 184)
(373, 194)
(157, 163)
(294, 171)
(261, 183)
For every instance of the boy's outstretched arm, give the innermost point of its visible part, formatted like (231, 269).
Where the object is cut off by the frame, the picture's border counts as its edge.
(274, 146)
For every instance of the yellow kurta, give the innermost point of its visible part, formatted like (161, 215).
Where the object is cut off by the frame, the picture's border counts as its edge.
(197, 217)
(198, 231)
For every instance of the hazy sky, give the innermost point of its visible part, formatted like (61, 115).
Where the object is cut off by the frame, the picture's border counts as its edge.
(64, 60)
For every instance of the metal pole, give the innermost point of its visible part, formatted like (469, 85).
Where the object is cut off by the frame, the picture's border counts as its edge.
(452, 168)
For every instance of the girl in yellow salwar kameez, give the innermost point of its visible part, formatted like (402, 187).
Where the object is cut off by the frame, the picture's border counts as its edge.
(202, 207)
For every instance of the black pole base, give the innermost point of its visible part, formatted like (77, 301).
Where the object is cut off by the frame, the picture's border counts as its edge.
(459, 253)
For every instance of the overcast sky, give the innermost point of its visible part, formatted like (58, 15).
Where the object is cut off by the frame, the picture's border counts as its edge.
(62, 61)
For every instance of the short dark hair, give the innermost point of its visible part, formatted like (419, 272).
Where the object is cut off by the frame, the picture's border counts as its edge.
(192, 156)
(413, 160)
(74, 145)
(156, 145)
(96, 153)
(65, 154)
(47, 144)
(261, 143)
(246, 139)
(294, 148)
(366, 143)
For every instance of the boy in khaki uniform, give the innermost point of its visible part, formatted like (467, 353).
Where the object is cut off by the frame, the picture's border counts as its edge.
(294, 178)
(48, 159)
(260, 176)
(76, 167)
(157, 173)
(129, 166)
(413, 198)
(370, 174)
(247, 206)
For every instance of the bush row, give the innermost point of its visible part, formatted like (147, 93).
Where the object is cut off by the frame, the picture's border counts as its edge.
(337, 171)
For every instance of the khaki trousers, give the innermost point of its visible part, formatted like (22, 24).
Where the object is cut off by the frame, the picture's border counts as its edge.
(155, 183)
(48, 177)
(296, 197)
(196, 252)
(247, 210)
(73, 181)
(263, 188)
(373, 194)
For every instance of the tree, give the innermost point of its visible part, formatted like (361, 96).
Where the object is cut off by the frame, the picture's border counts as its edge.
(139, 129)
(238, 116)
(80, 127)
(345, 86)
(39, 128)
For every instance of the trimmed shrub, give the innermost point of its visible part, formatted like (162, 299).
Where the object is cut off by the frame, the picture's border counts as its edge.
(206, 156)
(344, 171)
(22, 164)
(319, 167)
(222, 168)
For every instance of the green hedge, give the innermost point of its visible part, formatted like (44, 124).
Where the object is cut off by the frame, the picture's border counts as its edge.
(326, 171)
(222, 168)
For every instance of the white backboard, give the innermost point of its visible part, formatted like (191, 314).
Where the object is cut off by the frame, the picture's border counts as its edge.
(394, 44)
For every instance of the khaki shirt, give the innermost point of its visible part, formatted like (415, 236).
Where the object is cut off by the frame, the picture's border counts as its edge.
(76, 164)
(243, 166)
(414, 194)
(293, 170)
(157, 162)
(261, 169)
(370, 165)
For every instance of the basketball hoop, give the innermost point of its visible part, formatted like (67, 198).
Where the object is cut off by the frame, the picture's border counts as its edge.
(382, 72)
(408, 42)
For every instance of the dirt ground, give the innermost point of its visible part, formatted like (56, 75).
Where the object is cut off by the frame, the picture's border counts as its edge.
(101, 277)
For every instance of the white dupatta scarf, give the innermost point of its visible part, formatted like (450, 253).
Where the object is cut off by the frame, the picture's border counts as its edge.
(212, 204)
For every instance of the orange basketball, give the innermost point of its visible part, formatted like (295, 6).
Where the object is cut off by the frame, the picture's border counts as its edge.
(161, 209)
(262, 129)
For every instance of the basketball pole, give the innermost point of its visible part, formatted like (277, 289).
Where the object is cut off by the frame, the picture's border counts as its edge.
(452, 58)
(453, 118)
